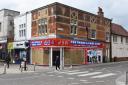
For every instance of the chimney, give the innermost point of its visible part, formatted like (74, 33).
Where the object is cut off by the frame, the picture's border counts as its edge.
(100, 12)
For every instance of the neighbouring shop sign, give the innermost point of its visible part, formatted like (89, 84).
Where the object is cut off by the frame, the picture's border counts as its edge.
(64, 42)
(10, 45)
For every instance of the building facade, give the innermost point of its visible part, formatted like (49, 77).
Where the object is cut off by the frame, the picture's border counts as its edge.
(22, 32)
(119, 43)
(6, 30)
(77, 36)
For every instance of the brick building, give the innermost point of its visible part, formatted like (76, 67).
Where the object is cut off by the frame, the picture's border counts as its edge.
(77, 36)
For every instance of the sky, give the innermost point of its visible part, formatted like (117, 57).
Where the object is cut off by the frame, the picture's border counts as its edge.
(113, 9)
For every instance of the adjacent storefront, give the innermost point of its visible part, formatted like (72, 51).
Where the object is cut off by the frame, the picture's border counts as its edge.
(20, 51)
(75, 52)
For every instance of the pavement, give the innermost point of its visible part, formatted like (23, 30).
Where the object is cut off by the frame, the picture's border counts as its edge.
(14, 69)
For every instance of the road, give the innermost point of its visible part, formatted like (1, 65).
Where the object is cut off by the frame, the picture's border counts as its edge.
(80, 75)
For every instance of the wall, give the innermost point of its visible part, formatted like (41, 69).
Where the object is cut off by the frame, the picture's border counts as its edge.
(73, 56)
(21, 19)
(120, 50)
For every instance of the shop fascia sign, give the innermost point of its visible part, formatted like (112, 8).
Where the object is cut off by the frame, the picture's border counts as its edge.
(63, 42)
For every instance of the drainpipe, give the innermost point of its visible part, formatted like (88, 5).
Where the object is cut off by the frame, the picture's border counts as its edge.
(111, 41)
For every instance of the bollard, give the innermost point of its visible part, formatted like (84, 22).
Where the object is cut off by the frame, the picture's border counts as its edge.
(4, 68)
(126, 77)
(25, 67)
(21, 69)
(34, 66)
(22, 65)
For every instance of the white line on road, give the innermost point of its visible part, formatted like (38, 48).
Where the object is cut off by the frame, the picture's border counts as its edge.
(83, 80)
(72, 71)
(73, 83)
(99, 81)
(50, 75)
(59, 76)
(87, 82)
(71, 78)
(68, 71)
(89, 74)
(77, 72)
(104, 75)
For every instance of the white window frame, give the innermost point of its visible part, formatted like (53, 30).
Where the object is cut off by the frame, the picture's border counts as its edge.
(42, 24)
(115, 38)
(121, 39)
(107, 36)
(126, 40)
(0, 26)
(92, 34)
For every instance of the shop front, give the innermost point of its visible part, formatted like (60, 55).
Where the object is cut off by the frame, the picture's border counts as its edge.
(71, 52)
(20, 52)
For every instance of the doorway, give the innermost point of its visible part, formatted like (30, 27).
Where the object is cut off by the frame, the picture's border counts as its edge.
(55, 53)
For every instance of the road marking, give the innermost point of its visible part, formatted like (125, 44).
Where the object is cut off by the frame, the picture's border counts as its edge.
(78, 72)
(50, 75)
(59, 76)
(74, 83)
(72, 71)
(83, 80)
(89, 74)
(70, 78)
(68, 71)
(102, 69)
(87, 82)
(104, 75)
(50, 72)
(99, 81)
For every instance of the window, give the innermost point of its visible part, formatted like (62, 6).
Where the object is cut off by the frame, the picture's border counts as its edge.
(0, 27)
(73, 29)
(24, 25)
(42, 23)
(93, 34)
(19, 26)
(107, 36)
(24, 32)
(127, 40)
(73, 26)
(73, 23)
(121, 39)
(20, 33)
(114, 38)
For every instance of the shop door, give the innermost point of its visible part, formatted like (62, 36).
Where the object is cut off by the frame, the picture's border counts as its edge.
(55, 53)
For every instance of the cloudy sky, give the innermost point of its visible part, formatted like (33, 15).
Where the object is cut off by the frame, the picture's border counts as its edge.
(113, 9)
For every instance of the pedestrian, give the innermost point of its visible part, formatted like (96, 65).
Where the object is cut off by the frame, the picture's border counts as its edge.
(7, 60)
(57, 62)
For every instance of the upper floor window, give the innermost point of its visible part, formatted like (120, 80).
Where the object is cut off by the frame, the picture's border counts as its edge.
(127, 40)
(93, 34)
(19, 33)
(73, 23)
(73, 26)
(73, 29)
(114, 38)
(42, 23)
(74, 15)
(24, 32)
(24, 25)
(107, 36)
(121, 39)
(0, 27)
